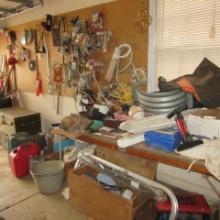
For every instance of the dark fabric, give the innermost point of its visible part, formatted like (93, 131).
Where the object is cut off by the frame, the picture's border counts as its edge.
(206, 81)
(5, 102)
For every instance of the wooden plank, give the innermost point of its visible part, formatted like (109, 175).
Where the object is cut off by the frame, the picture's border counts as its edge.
(141, 150)
(101, 141)
(171, 159)
(7, 10)
(87, 195)
(142, 166)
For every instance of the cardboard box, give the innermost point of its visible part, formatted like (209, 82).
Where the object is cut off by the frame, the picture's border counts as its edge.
(205, 123)
(88, 195)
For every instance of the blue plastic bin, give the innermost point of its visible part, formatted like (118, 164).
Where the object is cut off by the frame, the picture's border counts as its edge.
(64, 144)
(164, 139)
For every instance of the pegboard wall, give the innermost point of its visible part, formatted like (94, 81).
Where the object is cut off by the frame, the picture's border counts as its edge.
(119, 18)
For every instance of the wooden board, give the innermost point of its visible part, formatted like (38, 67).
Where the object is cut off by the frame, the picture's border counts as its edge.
(88, 195)
(138, 165)
(141, 150)
(118, 17)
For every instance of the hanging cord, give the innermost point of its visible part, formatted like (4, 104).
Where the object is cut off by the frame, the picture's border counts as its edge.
(129, 54)
(106, 101)
(76, 108)
(163, 24)
(213, 28)
(191, 165)
(79, 92)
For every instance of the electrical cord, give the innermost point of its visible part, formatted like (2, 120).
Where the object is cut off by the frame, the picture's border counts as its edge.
(191, 165)
(106, 101)
(123, 56)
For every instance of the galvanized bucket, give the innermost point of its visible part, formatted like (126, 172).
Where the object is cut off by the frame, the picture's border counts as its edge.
(48, 175)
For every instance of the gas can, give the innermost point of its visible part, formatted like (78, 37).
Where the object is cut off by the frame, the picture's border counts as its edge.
(19, 158)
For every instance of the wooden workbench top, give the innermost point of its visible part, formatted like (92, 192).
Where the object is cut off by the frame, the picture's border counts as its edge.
(141, 150)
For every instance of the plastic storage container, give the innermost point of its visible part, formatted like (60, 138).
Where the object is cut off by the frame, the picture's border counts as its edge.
(163, 139)
(19, 158)
(61, 145)
(48, 175)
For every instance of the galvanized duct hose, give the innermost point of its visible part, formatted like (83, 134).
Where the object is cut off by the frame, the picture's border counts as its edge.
(161, 102)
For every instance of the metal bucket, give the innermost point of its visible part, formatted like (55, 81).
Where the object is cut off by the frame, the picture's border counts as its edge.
(48, 176)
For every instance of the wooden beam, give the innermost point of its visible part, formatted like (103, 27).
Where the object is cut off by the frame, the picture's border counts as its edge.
(20, 1)
(172, 159)
(27, 3)
(7, 10)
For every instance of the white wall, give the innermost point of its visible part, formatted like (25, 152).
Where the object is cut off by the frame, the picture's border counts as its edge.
(193, 182)
(53, 7)
(47, 105)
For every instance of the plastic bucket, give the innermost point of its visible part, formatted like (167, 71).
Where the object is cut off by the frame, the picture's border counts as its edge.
(48, 175)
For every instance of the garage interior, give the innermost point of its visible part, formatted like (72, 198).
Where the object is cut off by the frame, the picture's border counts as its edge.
(109, 109)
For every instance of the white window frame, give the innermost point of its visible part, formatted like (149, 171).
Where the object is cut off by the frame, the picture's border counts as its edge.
(152, 57)
(152, 51)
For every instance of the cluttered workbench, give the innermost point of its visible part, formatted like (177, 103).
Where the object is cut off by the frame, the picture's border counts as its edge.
(140, 150)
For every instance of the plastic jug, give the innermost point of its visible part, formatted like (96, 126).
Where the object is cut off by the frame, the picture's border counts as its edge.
(19, 158)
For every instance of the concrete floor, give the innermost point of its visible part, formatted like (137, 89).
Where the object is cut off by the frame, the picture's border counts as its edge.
(20, 199)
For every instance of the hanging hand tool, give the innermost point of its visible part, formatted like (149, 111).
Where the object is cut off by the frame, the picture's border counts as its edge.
(49, 75)
(65, 39)
(58, 80)
(188, 140)
(38, 83)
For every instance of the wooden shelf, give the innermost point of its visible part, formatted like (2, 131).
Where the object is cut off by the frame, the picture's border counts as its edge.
(140, 150)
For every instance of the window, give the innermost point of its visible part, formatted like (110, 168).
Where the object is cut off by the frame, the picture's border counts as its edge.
(186, 32)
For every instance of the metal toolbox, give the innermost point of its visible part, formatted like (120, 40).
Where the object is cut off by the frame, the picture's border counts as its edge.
(13, 120)
(23, 138)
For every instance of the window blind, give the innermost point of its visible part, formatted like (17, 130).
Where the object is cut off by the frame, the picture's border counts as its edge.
(186, 32)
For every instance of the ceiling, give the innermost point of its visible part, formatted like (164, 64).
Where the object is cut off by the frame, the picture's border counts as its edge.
(12, 7)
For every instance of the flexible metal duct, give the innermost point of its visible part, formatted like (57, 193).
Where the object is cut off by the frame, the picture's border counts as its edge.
(161, 102)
